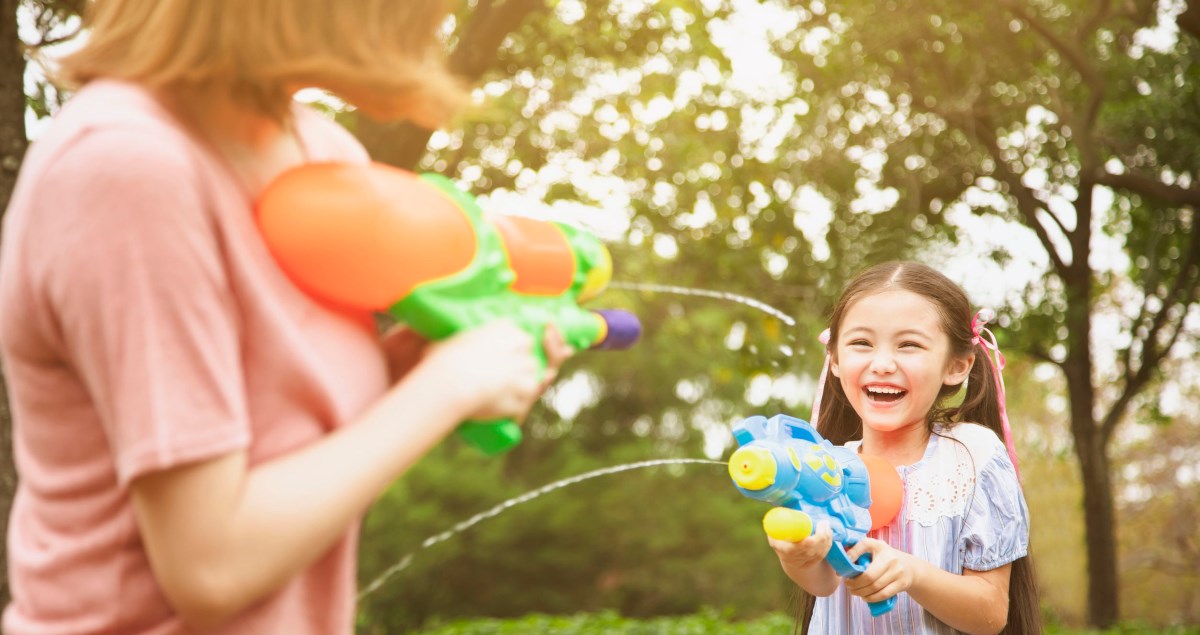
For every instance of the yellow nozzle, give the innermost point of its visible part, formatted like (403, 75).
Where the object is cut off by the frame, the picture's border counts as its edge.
(792, 525)
(598, 277)
(752, 468)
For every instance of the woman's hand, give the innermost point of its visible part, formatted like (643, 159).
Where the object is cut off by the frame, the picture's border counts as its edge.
(557, 352)
(492, 369)
(891, 571)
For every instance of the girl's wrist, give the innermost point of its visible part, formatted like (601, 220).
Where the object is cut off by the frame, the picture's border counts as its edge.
(919, 569)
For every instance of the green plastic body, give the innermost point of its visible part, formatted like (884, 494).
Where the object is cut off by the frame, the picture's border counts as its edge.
(482, 292)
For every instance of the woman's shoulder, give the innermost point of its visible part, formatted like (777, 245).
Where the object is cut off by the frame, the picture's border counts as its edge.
(111, 123)
(110, 104)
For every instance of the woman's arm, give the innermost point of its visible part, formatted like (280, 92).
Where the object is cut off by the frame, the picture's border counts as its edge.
(221, 536)
(975, 602)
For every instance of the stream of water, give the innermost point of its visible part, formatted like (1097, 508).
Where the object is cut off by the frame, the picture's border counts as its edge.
(513, 502)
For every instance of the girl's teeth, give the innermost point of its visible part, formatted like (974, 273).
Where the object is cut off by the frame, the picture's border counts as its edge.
(880, 393)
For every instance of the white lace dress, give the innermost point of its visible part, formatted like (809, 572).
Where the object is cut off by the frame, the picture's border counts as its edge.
(963, 508)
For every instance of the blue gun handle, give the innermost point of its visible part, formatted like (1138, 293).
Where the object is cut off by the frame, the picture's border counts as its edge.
(844, 567)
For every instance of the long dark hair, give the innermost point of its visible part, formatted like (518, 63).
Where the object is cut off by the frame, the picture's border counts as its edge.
(839, 423)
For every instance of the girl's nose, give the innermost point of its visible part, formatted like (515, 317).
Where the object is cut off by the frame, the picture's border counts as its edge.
(883, 363)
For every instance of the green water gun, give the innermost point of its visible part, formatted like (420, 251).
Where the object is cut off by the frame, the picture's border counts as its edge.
(371, 236)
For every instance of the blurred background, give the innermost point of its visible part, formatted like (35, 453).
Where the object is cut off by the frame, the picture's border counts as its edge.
(1042, 153)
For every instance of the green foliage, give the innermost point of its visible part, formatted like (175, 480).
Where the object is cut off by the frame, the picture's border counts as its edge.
(646, 542)
(705, 623)
(609, 623)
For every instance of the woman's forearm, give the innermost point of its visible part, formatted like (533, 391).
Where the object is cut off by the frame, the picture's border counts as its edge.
(221, 537)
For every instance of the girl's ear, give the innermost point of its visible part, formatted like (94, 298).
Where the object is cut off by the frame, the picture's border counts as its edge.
(959, 368)
(833, 368)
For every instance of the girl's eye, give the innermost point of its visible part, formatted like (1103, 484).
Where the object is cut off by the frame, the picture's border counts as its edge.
(910, 345)
(859, 343)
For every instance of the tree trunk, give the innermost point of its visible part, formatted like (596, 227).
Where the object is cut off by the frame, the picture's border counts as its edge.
(12, 150)
(1091, 448)
(400, 144)
(1100, 524)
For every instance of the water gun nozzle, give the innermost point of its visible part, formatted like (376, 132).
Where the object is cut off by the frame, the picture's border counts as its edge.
(752, 468)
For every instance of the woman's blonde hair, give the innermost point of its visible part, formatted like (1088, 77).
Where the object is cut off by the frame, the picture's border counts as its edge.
(383, 56)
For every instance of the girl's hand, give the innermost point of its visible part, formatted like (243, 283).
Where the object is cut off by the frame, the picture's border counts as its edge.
(891, 571)
(797, 556)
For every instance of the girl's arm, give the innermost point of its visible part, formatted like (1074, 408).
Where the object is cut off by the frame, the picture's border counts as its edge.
(804, 561)
(220, 535)
(975, 602)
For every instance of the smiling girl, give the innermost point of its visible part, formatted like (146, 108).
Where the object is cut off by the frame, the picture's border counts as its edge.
(902, 341)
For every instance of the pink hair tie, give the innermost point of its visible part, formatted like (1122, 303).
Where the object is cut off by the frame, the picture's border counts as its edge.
(823, 338)
(983, 336)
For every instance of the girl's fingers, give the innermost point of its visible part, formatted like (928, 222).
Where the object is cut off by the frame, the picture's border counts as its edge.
(866, 545)
(862, 583)
(886, 592)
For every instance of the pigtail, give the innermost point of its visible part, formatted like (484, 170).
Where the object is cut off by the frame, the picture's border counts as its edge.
(981, 404)
(1024, 611)
(984, 403)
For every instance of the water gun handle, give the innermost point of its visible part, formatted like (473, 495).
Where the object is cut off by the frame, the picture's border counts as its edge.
(497, 436)
(844, 567)
(491, 437)
(793, 525)
(882, 606)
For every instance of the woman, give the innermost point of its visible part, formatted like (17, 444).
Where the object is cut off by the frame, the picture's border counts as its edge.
(197, 439)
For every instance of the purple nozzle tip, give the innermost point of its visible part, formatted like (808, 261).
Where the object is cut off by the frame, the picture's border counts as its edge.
(623, 329)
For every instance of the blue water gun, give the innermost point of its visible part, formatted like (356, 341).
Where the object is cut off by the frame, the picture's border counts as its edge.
(784, 461)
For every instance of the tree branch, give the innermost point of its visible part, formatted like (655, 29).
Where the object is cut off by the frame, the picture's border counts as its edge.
(403, 144)
(490, 23)
(1027, 203)
(1040, 354)
(1103, 10)
(1074, 55)
(1173, 195)
(1152, 353)
(1189, 20)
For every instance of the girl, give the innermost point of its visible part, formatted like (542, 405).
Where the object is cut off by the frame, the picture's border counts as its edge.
(901, 342)
(196, 438)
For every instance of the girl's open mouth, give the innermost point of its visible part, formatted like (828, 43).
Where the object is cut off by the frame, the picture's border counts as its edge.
(884, 394)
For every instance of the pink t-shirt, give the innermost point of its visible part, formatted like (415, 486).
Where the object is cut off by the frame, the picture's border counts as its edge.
(143, 325)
